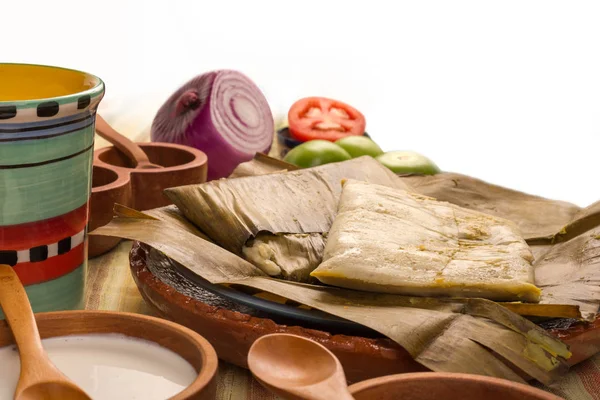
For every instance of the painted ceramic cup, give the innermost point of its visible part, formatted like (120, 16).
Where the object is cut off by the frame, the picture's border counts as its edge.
(47, 117)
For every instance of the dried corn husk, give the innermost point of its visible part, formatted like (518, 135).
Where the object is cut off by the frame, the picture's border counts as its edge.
(261, 164)
(263, 217)
(537, 217)
(231, 211)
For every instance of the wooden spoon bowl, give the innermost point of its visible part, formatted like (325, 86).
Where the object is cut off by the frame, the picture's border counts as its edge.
(297, 368)
(183, 341)
(116, 181)
(438, 385)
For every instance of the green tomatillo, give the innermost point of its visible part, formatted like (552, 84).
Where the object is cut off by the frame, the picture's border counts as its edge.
(358, 146)
(408, 162)
(316, 152)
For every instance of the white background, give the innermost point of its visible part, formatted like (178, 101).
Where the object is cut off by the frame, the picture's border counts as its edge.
(477, 86)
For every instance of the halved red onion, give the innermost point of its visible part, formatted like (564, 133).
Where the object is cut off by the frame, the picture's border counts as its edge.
(222, 113)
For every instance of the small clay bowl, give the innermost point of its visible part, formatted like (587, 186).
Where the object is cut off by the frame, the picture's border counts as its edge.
(438, 385)
(179, 339)
(141, 189)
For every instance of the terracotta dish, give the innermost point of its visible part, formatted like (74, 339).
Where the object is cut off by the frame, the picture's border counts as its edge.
(232, 328)
(188, 344)
(137, 178)
(436, 386)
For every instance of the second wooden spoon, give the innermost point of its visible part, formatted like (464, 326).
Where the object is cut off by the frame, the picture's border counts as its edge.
(297, 368)
(39, 379)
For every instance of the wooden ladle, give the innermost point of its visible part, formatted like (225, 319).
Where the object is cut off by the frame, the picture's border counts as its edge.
(130, 149)
(39, 378)
(297, 368)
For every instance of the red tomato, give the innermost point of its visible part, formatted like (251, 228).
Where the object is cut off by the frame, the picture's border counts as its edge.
(314, 118)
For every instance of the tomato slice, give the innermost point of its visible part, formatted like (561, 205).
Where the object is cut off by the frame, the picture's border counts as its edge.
(314, 118)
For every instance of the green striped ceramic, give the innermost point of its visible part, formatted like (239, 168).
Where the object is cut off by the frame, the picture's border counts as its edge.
(47, 117)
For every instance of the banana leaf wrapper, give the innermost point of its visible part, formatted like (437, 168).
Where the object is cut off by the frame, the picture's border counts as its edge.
(453, 335)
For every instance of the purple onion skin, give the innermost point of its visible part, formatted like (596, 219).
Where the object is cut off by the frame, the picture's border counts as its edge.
(193, 116)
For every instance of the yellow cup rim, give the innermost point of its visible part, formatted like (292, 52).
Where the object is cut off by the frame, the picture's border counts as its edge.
(96, 90)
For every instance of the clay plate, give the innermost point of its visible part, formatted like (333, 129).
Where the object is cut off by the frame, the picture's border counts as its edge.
(232, 327)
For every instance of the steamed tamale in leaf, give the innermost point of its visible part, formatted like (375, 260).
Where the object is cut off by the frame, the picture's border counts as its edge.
(292, 255)
(465, 191)
(562, 236)
(261, 217)
(474, 336)
(389, 240)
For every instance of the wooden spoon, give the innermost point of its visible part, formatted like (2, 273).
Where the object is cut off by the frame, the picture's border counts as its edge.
(39, 379)
(297, 368)
(129, 148)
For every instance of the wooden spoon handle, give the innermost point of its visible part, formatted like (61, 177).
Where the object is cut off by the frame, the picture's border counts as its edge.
(126, 146)
(19, 315)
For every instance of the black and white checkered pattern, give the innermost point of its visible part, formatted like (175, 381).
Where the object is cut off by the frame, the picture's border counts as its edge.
(42, 253)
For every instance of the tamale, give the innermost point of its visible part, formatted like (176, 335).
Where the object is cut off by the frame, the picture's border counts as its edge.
(292, 256)
(261, 217)
(393, 241)
(563, 237)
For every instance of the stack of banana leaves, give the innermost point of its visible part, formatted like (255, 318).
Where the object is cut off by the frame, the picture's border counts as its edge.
(451, 268)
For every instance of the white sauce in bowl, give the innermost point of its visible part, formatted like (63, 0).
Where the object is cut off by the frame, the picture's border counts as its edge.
(110, 366)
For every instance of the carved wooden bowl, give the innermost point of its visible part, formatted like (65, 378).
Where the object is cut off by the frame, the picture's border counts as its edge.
(116, 181)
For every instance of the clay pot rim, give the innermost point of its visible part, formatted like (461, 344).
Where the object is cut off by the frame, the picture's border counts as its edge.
(429, 377)
(122, 179)
(208, 354)
(200, 158)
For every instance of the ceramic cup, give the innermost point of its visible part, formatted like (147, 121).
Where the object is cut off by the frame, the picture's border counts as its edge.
(47, 117)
